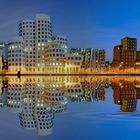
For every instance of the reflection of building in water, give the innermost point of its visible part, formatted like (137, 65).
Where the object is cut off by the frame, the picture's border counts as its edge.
(93, 91)
(15, 95)
(124, 94)
(138, 93)
(3, 93)
(27, 117)
(26, 98)
(36, 113)
(73, 87)
(54, 94)
(137, 88)
(43, 113)
(44, 118)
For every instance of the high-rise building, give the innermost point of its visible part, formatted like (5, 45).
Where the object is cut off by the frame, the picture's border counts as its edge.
(35, 34)
(128, 52)
(129, 43)
(124, 56)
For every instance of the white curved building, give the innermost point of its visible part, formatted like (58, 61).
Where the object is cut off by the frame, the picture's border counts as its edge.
(54, 58)
(38, 55)
(16, 55)
(61, 40)
(27, 31)
(43, 34)
(35, 34)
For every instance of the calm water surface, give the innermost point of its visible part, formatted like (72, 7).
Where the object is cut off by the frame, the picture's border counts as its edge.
(70, 108)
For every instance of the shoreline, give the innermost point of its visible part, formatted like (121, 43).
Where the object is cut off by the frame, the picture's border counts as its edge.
(111, 74)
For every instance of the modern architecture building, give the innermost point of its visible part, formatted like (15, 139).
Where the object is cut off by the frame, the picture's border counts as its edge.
(128, 52)
(93, 59)
(61, 40)
(54, 58)
(137, 65)
(124, 56)
(16, 55)
(35, 34)
(73, 63)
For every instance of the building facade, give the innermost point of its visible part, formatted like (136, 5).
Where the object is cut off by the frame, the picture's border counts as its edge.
(61, 40)
(117, 56)
(16, 55)
(124, 56)
(73, 63)
(35, 34)
(54, 59)
(93, 59)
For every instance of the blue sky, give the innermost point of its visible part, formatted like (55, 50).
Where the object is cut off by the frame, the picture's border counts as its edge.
(86, 23)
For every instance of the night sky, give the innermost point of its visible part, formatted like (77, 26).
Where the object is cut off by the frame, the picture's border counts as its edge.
(86, 23)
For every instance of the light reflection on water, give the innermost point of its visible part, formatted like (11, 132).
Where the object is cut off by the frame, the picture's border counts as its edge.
(39, 102)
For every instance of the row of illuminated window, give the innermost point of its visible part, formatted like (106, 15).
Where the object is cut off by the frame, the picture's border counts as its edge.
(14, 47)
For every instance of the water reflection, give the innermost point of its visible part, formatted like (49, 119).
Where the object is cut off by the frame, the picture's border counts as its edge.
(36, 100)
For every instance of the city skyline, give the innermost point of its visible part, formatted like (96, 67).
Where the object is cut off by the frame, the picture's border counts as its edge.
(69, 69)
(38, 50)
(97, 30)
